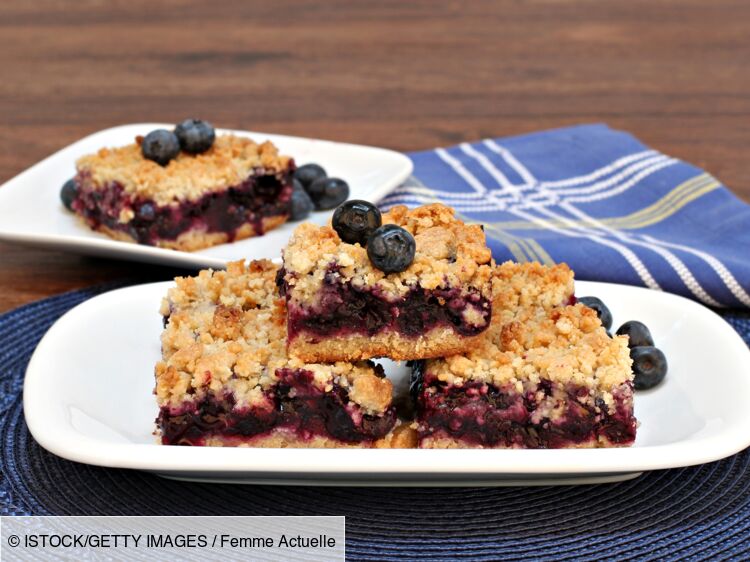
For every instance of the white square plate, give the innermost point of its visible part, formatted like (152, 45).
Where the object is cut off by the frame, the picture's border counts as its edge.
(88, 397)
(31, 212)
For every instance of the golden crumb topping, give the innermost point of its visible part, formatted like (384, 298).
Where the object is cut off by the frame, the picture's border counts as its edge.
(230, 161)
(448, 253)
(539, 340)
(227, 332)
(517, 286)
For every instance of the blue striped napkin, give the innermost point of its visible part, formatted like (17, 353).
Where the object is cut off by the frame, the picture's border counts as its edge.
(598, 199)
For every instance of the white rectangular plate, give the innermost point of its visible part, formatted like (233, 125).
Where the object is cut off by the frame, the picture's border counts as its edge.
(88, 397)
(31, 212)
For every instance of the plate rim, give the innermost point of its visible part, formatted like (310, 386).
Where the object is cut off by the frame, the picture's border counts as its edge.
(118, 249)
(63, 441)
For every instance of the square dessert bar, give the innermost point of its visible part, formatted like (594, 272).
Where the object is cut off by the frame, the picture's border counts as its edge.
(225, 378)
(340, 307)
(546, 374)
(234, 190)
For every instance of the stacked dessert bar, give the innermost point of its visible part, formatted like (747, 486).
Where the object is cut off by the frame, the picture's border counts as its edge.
(502, 356)
(341, 307)
(546, 374)
(226, 379)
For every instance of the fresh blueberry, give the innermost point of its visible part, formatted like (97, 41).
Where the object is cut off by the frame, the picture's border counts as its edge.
(308, 173)
(302, 205)
(68, 193)
(146, 212)
(605, 316)
(195, 135)
(637, 332)
(160, 146)
(355, 221)
(391, 248)
(649, 366)
(328, 193)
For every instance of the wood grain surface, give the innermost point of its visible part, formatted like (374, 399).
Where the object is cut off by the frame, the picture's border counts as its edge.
(403, 75)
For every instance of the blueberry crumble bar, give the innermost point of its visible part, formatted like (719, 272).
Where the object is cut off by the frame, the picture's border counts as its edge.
(183, 200)
(429, 296)
(545, 375)
(225, 378)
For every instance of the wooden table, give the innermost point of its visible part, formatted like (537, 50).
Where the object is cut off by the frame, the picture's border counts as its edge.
(404, 75)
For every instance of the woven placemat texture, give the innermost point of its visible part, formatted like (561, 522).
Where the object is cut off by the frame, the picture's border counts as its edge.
(684, 514)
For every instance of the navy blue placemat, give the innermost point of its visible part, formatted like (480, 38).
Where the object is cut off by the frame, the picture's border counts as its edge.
(684, 514)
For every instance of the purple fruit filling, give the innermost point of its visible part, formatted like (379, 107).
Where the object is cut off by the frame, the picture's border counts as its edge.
(293, 404)
(485, 415)
(345, 309)
(261, 195)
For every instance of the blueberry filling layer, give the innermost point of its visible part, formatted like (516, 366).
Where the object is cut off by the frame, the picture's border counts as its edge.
(294, 404)
(259, 196)
(482, 414)
(345, 309)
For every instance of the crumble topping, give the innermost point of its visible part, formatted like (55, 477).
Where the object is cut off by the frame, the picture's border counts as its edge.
(227, 332)
(537, 339)
(448, 253)
(526, 285)
(229, 162)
